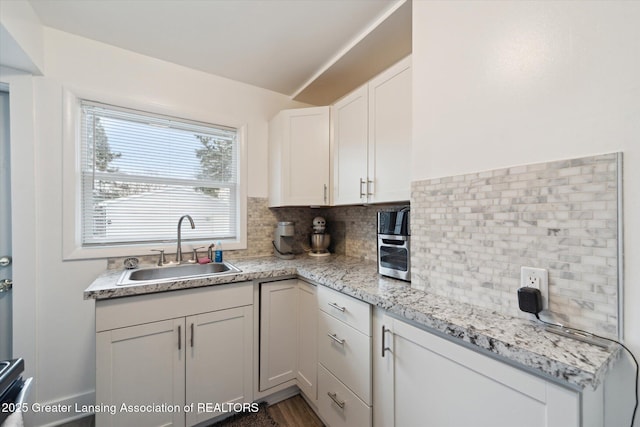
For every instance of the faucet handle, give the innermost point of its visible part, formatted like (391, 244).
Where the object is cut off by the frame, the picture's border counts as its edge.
(162, 260)
(194, 257)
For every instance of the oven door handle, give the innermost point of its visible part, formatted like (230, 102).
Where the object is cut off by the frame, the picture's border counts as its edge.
(389, 239)
(394, 237)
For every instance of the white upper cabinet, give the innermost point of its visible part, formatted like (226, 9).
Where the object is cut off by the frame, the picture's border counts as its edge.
(390, 134)
(350, 140)
(372, 140)
(299, 157)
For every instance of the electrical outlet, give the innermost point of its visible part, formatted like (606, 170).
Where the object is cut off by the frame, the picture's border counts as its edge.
(536, 278)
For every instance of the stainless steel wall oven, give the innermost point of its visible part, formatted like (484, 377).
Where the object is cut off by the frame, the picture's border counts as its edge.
(394, 244)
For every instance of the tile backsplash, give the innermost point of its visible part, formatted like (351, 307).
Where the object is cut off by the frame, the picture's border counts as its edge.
(352, 230)
(472, 233)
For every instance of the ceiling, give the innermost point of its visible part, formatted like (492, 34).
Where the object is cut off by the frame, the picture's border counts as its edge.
(285, 46)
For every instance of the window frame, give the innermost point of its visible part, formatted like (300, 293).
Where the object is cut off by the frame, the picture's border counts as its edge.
(72, 248)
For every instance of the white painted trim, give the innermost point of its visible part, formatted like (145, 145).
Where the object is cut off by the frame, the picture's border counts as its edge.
(71, 227)
(24, 223)
(281, 395)
(620, 257)
(33, 418)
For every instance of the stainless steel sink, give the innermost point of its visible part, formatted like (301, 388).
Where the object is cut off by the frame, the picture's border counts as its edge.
(176, 272)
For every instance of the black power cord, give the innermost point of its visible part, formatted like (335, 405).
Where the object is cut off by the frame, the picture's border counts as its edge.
(635, 408)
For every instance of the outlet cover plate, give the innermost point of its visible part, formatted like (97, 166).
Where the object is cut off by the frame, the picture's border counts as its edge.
(536, 278)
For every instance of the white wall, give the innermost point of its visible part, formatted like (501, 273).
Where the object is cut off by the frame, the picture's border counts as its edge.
(54, 326)
(498, 84)
(21, 40)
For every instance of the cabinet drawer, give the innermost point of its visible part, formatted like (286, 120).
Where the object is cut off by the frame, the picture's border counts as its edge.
(136, 310)
(348, 309)
(346, 353)
(337, 405)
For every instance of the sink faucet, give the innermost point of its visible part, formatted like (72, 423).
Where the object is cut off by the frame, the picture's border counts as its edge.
(179, 248)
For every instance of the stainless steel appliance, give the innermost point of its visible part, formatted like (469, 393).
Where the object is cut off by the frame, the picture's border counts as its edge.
(13, 389)
(283, 240)
(394, 244)
(320, 239)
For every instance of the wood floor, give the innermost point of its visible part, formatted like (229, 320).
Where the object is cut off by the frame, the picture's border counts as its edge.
(294, 412)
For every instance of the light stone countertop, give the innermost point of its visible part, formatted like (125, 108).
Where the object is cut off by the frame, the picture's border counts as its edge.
(520, 342)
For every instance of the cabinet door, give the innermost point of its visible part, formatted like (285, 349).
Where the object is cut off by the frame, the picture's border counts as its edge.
(141, 365)
(278, 332)
(382, 373)
(219, 357)
(307, 340)
(431, 379)
(390, 134)
(350, 137)
(299, 157)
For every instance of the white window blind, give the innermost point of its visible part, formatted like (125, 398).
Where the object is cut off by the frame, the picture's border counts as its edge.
(141, 172)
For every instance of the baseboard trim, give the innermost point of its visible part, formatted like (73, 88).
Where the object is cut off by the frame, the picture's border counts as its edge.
(280, 395)
(258, 395)
(67, 410)
(311, 404)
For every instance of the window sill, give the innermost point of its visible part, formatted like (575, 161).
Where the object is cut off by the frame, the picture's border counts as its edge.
(146, 249)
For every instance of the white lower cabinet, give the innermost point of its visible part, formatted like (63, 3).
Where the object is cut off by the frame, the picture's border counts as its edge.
(307, 342)
(344, 360)
(421, 379)
(141, 365)
(346, 352)
(149, 369)
(219, 360)
(338, 405)
(288, 343)
(278, 332)
(158, 354)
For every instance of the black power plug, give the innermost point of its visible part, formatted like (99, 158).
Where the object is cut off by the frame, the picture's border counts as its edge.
(530, 300)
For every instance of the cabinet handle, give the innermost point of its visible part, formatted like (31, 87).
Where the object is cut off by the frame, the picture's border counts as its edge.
(325, 193)
(369, 185)
(384, 348)
(179, 337)
(362, 193)
(192, 338)
(336, 339)
(334, 397)
(336, 306)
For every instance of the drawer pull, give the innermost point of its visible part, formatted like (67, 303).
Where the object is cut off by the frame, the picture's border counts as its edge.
(336, 339)
(334, 397)
(179, 337)
(384, 348)
(336, 306)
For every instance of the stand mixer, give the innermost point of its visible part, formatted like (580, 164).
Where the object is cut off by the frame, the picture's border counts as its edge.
(320, 240)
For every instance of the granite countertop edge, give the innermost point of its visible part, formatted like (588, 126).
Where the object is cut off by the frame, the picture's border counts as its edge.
(521, 342)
